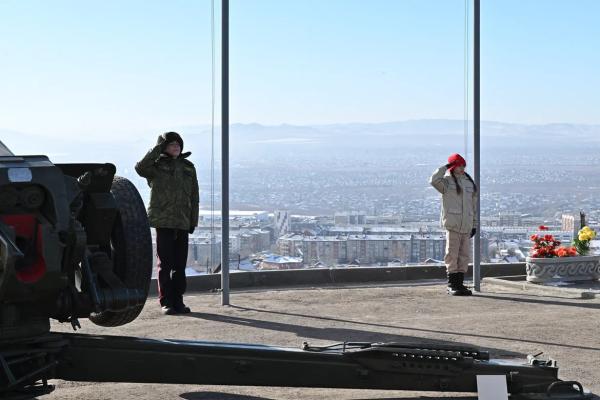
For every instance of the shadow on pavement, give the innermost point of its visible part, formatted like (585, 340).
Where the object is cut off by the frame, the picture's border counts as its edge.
(520, 299)
(426, 398)
(218, 396)
(305, 331)
(464, 334)
(230, 396)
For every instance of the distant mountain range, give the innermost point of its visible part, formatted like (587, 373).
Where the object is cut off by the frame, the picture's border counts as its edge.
(264, 142)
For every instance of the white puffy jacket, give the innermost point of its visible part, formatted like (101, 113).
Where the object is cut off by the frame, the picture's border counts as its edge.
(459, 211)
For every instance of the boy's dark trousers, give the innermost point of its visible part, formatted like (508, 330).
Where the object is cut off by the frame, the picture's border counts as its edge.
(172, 252)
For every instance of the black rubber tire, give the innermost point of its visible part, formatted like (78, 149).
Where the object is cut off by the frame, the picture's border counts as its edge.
(131, 244)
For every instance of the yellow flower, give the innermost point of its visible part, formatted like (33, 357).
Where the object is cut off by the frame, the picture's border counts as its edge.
(586, 233)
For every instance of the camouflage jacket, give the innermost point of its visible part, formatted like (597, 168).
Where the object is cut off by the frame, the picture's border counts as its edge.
(174, 194)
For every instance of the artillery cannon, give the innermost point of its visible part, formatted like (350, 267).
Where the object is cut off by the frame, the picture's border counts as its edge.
(75, 243)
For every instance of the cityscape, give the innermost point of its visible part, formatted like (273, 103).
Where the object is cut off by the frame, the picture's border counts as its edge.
(280, 240)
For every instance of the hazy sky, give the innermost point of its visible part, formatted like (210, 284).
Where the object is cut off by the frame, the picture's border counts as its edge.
(112, 67)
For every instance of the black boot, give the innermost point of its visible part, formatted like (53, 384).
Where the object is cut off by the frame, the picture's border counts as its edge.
(180, 308)
(168, 310)
(455, 285)
(461, 285)
(451, 288)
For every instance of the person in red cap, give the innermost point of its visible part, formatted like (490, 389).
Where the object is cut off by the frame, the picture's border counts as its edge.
(458, 218)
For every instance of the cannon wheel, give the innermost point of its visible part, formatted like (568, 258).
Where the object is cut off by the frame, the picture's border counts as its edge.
(131, 248)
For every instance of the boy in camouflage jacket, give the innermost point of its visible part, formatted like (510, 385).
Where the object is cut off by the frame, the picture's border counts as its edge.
(173, 212)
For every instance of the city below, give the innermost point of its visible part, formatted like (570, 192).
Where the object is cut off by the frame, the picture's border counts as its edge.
(261, 240)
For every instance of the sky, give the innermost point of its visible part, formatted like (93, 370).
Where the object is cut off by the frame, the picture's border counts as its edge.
(132, 67)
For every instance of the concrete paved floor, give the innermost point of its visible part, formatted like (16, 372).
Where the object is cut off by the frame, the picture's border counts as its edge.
(502, 320)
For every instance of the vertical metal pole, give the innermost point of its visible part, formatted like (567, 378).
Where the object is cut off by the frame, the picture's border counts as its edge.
(476, 147)
(225, 152)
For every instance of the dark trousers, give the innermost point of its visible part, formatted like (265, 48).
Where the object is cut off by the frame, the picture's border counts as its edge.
(172, 252)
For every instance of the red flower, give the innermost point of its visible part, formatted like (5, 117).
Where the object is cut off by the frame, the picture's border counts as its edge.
(546, 246)
(543, 228)
(566, 252)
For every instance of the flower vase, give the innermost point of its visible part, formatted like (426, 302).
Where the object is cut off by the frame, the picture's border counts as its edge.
(563, 269)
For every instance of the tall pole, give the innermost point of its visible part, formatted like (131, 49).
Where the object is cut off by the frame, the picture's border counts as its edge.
(476, 147)
(225, 152)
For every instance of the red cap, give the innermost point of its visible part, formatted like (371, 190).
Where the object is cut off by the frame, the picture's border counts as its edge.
(457, 161)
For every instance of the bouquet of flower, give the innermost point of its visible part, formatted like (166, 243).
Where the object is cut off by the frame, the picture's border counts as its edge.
(582, 241)
(547, 247)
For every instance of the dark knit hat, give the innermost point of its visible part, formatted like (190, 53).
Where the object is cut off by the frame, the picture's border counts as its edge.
(170, 137)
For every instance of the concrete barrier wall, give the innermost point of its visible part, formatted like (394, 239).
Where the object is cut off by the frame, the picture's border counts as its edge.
(328, 276)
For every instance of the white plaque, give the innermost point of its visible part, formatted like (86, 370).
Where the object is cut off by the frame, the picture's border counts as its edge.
(492, 387)
(19, 175)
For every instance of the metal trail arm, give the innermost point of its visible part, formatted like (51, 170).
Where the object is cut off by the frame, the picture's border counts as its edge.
(395, 366)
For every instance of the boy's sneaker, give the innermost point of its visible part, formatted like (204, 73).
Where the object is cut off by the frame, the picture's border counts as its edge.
(166, 310)
(182, 309)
